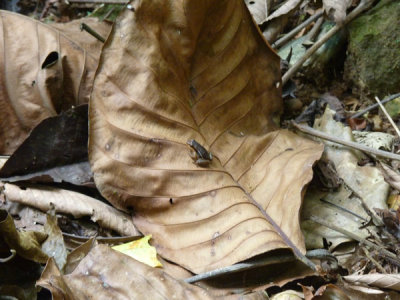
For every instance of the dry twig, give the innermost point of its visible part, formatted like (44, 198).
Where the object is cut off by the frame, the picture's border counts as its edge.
(295, 30)
(371, 107)
(388, 116)
(354, 145)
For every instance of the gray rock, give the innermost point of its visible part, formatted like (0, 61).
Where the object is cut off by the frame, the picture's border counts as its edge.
(373, 55)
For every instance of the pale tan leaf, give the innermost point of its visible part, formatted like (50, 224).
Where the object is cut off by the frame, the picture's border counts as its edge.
(73, 203)
(117, 277)
(383, 281)
(54, 245)
(390, 175)
(336, 9)
(288, 7)
(259, 9)
(288, 295)
(365, 180)
(201, 70)
(32, 90)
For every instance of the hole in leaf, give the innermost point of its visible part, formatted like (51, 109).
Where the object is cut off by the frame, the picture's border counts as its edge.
(50, 60)
(251, 2)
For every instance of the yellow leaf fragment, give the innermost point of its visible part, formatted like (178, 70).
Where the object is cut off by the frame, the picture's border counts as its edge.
(140, 250)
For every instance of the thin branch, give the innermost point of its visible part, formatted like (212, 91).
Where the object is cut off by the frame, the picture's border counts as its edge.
(377, 220)
(388, 116)
(295, 30)
(103, 239)
(373, 215)
(373, 106)
(91, 31)
(311, 35)
(364, 4)
(328, 137)
(343, 209)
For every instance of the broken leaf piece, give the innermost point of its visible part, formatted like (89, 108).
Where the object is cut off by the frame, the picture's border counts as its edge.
(54, 245)
(55, 142)
(74, 203)
(25, 243)
(140, 250)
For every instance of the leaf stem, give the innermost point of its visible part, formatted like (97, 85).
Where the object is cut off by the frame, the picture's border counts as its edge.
(283, 235)
(91, 31)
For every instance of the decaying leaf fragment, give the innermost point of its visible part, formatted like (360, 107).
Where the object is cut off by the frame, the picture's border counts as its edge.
(73, 203)
(54, 245)
(26, 244)
(173, 71)
(44, 70)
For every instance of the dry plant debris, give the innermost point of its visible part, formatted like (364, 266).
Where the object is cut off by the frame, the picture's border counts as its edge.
(186, 144)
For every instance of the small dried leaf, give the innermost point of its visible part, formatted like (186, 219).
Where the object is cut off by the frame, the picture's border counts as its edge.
(390, 175)
(54, 245)
(141, 251)
(73, 203)
(25, 243)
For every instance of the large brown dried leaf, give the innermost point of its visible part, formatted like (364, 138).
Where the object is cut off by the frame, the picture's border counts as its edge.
(117, 277)
(177, 70)
(32, 90)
